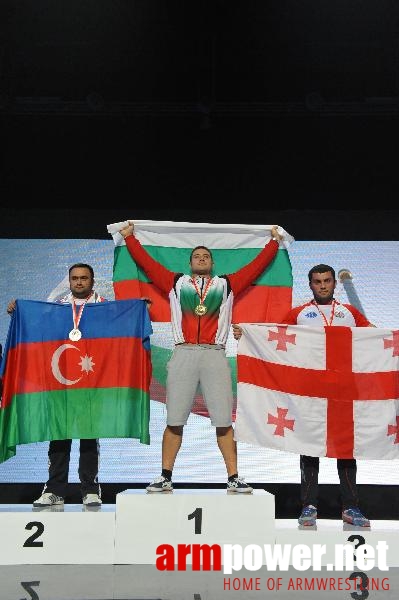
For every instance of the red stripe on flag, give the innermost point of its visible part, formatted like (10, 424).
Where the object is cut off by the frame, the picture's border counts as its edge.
(282, 378)
(262, 304)
(318, 384)
(340, 425)
(133, 288)
(62, 365)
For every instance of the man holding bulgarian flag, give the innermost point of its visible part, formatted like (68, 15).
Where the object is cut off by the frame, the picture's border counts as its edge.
(201, 306)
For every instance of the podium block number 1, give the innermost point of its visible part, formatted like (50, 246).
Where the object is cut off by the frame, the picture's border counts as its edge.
(197, 515)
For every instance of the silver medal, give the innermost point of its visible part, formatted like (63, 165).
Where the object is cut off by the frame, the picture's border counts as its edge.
(75, 335)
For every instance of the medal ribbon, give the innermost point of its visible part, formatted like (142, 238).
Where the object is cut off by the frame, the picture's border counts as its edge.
(202, 295)
(327, 323)
(76, 317)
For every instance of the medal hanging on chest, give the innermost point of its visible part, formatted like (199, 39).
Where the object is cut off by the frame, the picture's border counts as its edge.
(201, 310)
(323, 316)
(75, 334)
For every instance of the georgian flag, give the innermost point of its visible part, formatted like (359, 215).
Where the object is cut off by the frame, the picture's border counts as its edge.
(328, 391)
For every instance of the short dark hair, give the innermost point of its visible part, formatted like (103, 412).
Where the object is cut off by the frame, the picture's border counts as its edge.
(320, 269)
(199, 248)
(82, 266)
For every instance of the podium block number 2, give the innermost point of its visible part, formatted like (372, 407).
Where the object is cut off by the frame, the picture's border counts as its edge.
(32, 542)
(197, 516)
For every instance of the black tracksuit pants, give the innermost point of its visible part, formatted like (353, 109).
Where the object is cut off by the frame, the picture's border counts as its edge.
(59, 455)
(310, 477)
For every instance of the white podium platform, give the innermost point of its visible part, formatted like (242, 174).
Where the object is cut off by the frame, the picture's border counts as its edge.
(136, 530)
(335, 532)
(53, 536)
(187, 517)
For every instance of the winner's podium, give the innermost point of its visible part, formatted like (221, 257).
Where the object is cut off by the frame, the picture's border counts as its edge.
(191, 516)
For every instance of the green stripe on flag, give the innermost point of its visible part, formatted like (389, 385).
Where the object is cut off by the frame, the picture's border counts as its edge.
(77, 414)
(159, 358)
(278, 273)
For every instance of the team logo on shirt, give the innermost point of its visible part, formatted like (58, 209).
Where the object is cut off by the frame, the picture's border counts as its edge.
(311, 315)
(339, 314)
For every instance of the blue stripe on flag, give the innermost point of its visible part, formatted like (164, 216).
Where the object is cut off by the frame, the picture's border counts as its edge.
(36, 321)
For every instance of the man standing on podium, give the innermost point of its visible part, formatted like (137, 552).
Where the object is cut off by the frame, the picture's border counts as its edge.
(201, 310)
(81, 282)
(324, 310)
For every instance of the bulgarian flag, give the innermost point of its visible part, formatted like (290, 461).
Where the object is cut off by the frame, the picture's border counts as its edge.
(55, 388)
(232, 246)
(319, 391)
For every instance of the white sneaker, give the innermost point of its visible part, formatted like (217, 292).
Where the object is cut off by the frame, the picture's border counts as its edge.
(48, 499)
(92, 500)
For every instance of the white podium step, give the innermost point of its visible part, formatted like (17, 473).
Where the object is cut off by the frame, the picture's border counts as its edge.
(145, 522)
(333, 533)
(70, 534)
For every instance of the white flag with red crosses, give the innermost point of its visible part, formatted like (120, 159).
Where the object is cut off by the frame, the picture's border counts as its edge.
(328, 391)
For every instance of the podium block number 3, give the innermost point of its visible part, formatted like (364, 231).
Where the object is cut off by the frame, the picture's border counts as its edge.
(197, 516)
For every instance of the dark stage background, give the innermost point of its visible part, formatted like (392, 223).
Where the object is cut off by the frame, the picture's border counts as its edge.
(263, 103)
(207, 111)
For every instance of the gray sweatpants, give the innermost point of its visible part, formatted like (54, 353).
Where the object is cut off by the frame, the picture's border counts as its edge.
(204, 365)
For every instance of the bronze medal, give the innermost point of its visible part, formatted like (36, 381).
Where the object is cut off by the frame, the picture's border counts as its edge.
(200, 310)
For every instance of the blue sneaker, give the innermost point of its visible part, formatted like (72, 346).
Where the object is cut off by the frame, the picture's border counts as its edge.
(308, 516)
(353, 516)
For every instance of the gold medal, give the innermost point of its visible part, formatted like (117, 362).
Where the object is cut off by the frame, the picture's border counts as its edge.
(200, 310)
(75, 335)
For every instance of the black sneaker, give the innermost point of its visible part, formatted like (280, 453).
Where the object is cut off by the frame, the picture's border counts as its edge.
(160, 484)
(238, 485)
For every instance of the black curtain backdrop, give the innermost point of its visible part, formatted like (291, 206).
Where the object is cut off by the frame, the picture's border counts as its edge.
(302, 223)
(201, 105)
